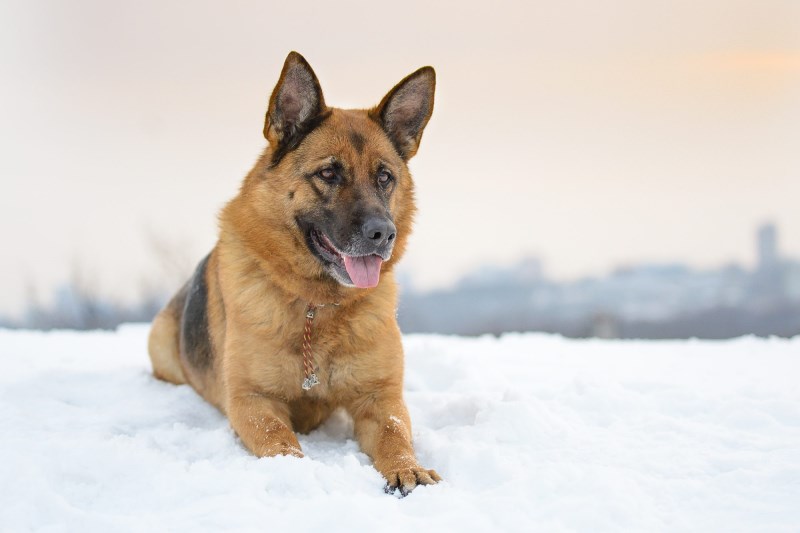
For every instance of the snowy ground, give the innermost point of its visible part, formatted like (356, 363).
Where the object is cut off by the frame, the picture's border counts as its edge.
(530, 432)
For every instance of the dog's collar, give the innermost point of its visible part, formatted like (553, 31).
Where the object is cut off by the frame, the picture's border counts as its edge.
(308, 357)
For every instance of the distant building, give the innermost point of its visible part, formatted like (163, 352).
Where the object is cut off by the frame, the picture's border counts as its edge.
(530, 270)
(791, 280)
(768, 283)
(605, 326)
(768, 260)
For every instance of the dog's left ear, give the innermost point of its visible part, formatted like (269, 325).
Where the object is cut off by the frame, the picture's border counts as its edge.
(295, 107)
(405, 111)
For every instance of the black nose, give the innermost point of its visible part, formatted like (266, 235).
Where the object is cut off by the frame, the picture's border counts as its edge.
(378, 230)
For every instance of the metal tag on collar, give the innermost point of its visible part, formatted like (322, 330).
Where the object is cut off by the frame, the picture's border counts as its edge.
(310, 381)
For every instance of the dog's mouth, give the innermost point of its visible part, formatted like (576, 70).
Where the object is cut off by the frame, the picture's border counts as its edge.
(363, 271)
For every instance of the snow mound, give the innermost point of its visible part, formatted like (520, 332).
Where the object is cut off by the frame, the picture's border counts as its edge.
(530, 432)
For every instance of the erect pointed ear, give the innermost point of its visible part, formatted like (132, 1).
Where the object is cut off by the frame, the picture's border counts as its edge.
(295, 107)
(405, 111)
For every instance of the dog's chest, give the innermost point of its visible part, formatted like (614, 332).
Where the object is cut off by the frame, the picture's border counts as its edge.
(345, 355)
(338, 371)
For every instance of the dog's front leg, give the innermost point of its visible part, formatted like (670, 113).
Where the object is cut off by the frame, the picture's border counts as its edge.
(263, 424)
(383, 429)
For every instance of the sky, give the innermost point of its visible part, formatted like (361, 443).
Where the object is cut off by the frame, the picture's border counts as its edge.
(590, 134)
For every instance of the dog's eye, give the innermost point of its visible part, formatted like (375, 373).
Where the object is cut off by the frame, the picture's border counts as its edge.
(384, 177)
(328, 175)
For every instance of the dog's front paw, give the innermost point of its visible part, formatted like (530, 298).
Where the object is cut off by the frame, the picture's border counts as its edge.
(283, 448)
(406, 479)
(274, 438)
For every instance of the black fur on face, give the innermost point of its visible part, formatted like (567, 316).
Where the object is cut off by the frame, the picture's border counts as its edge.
(351, 217)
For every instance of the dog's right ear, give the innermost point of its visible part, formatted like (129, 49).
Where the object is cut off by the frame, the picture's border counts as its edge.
(295, 107)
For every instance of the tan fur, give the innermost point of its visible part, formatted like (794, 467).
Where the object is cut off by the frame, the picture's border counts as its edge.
(260, 278)
(163, 346)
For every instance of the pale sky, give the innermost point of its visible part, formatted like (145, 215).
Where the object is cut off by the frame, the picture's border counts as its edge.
(589, 134)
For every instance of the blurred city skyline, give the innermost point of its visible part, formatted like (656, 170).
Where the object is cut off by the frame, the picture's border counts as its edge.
(651, 300)
(591, 136)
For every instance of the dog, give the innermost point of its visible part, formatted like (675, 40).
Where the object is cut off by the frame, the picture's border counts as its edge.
(292, 314)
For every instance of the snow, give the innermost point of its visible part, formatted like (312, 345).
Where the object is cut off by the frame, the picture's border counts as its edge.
(530, 433)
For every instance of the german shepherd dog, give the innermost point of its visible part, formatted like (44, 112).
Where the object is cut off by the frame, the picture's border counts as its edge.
(292, 314)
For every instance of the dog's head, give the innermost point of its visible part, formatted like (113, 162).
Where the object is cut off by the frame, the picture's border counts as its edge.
(337, 179)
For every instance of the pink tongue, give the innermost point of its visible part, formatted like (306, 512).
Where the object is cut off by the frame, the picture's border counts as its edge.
(364, 271)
